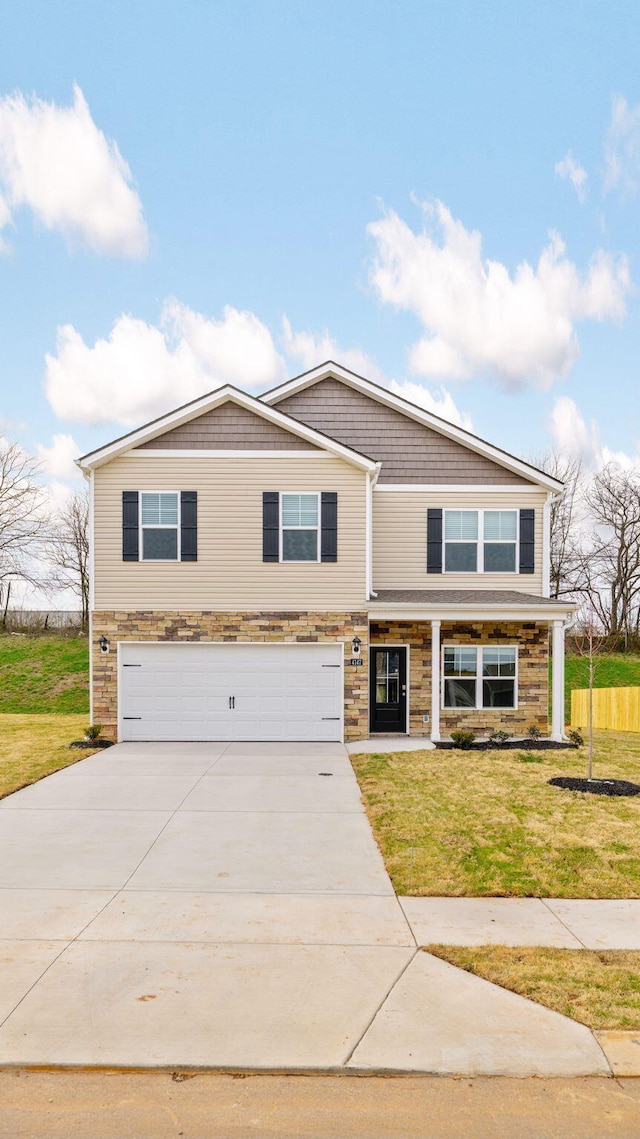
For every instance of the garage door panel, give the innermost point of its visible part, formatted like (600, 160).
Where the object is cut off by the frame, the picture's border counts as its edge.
(182, 691)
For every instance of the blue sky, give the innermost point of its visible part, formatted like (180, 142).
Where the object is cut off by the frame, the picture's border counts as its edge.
(284, 162)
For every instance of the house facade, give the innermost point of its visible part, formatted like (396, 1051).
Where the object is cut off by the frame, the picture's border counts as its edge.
(326, 562)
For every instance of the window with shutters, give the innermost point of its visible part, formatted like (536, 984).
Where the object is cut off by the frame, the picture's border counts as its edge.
(482, 676)
(480, 541)
(299, 527)
(159, 527)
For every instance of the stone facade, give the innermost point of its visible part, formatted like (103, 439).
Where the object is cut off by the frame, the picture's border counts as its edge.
(533, 673)
(532, 640)
(228, 627)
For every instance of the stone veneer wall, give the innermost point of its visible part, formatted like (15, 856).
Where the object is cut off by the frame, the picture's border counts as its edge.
(533, 673)
(229, 627)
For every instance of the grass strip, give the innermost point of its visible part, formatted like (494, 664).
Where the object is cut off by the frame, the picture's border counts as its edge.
(599, 988)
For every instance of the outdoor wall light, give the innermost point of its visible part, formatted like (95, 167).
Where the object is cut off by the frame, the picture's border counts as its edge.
(355, 646)
(104, 644)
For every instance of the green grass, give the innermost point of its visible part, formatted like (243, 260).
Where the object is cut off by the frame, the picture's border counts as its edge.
(620, 670)
(34, 746)
(44, 674)
(488, 824)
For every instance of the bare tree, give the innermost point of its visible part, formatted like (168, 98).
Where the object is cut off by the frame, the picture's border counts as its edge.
(565, 524)
(612, 562)
(22, 517)
(67, 550)
(590, 641)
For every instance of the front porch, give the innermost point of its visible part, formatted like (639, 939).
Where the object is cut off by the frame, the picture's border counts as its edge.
(492, 671)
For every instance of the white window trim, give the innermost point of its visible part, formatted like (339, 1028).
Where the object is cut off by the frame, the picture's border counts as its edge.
(178, 529)
(480, 511)
(302, 561)
(479, 706)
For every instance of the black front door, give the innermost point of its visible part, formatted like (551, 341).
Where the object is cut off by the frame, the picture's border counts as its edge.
(388, 688)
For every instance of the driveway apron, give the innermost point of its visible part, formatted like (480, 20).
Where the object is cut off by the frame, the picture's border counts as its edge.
(226, 906)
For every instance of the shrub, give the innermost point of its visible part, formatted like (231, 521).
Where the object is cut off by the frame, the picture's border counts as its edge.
(499, 737)
(93, 731)
(462, 739)
(533, 732)
(576, 736)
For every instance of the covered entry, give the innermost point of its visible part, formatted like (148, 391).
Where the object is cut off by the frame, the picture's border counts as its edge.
(206, 691)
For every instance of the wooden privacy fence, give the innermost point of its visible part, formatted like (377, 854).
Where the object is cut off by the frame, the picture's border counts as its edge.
(614, 708)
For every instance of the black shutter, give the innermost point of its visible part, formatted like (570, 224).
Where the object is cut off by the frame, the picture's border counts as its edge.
(527, 541)
(189, 525)
(270, 526)
(130, 531)
(434, 540)
(329, 526)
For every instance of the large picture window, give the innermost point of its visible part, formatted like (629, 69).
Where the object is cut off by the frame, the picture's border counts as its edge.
(480, 676)
(480, 541)
(159, 523)
(299, 527)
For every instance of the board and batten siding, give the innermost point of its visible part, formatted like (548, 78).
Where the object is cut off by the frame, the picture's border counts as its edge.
(229, 574)
(400, 539)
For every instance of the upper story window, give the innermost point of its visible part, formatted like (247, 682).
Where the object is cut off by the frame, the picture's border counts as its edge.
(482, 676)
(480, 541)
(159, 523)
(299, 527)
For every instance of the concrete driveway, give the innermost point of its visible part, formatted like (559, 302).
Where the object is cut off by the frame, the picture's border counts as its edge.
(225, 905)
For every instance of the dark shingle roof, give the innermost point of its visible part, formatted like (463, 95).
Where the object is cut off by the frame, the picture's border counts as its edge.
(460, 597)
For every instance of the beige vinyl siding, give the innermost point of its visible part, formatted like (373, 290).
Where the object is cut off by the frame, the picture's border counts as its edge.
(400, 539)
(229, 574)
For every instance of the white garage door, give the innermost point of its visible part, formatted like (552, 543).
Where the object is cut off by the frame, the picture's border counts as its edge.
(230, 692)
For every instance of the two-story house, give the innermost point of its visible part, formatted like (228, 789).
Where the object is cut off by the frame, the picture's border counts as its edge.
(326, 562)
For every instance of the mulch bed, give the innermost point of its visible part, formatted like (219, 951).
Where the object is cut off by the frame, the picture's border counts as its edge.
(611, 787)
(519, 745)
(92, 743)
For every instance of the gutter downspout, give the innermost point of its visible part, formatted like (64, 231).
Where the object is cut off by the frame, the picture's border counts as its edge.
(371, 482)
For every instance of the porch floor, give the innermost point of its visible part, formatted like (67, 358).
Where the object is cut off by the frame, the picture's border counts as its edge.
(378, 744)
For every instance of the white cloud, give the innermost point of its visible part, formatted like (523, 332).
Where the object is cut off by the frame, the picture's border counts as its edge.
(143, 370)
(575, 439)
(56, 161)
(517, 328)
(311, 349)
(622, 148)
(572, 437)
(440, 402)
(58, 460)
(571, 170)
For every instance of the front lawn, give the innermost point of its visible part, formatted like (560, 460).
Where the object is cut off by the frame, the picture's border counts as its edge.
(599, 988)
(47, 673)
(34, 746)
(467, 823)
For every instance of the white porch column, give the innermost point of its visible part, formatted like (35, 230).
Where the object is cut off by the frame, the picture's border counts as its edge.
(435, 681)
(557, 685)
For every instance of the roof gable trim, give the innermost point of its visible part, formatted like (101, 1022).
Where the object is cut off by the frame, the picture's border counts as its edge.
(458, 434)
(209, 402)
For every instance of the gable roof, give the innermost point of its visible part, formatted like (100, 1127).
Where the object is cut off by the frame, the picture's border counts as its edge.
(141, 435)
(331, 370)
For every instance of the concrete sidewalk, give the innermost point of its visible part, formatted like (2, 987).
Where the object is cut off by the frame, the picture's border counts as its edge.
(226, 906)
(566, 923)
